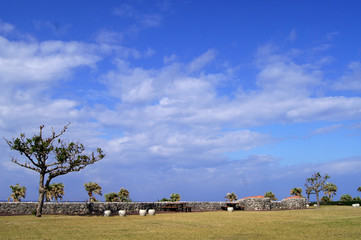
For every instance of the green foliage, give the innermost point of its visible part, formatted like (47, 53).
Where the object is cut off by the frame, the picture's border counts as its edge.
(175, 197)
(121, 196)
(55, 191)
(359, 189)
(231, 197)
(270, 195)
(346, 197)
(315, 184)
(330, 190)
(93, 188)
(356, 199)
(51, 157)
(308, 193)
(325, 199)
(111, 197)
(339, 203)
(164, 200)
(17, 193)
(296, 191)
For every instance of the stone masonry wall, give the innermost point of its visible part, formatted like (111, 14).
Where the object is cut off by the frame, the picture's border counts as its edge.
(84, 208)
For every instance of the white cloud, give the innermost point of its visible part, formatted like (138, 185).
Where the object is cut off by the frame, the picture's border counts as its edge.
(351, 81)
(143, 19)
(326, 129)
(170, 59)
(6, 28)
(109, 37)
(169, 118)
(201, 61)
(29, 62)
(343, 166)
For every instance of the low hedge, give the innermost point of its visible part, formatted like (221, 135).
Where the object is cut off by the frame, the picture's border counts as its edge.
(341, 203)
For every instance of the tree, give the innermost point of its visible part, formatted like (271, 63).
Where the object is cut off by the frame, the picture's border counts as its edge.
(231, 197)
(308, 193)
(54, 191)
(359, 189)
(92, 188)
(51, 157)
(123, 195)
(330, 190)
(17, 193)
(175, 197)
(346, 197)
(325, 199)
(315, 184)
(296, 191)
(270, 195)
(111, 197)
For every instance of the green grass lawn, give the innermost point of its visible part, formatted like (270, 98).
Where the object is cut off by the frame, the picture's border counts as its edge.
(325, 223)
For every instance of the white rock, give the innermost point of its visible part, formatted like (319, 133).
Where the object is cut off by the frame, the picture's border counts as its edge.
(107, 213)
(122, 213)
(142, 212)
(230, 209)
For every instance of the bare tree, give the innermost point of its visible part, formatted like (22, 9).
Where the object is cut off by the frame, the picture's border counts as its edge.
(51, 157)
(315, 184)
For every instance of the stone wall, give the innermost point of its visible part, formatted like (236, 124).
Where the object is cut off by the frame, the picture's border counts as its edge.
(84, 208)
(266, 204)
(256, 203)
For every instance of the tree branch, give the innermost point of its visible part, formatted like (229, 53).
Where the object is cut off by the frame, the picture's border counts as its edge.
(25, 165)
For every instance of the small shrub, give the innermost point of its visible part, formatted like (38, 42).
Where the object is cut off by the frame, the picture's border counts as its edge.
(346, 197)
(325, 199)
(231, 197)
(164, 200)
(175, 197)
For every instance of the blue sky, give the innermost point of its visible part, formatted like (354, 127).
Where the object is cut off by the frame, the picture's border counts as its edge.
(200, 98)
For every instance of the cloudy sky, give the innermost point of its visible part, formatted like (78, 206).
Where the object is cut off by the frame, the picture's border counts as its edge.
(199, 98)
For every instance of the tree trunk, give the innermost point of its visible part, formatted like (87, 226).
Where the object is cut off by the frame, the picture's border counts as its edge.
(318, 199)
(39, 209)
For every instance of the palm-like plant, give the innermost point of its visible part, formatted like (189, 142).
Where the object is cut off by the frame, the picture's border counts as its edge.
(55, 191)
(346, 197)
(92, 188)
(231, 197)
(325, 199)
(175, 197)
(330, 190)
(111, 197)
(17, 193)
(124, 195)
(121, 196)
(296, 191)
(270, 195)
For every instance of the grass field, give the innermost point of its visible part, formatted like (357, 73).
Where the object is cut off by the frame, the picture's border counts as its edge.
(325, 223)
